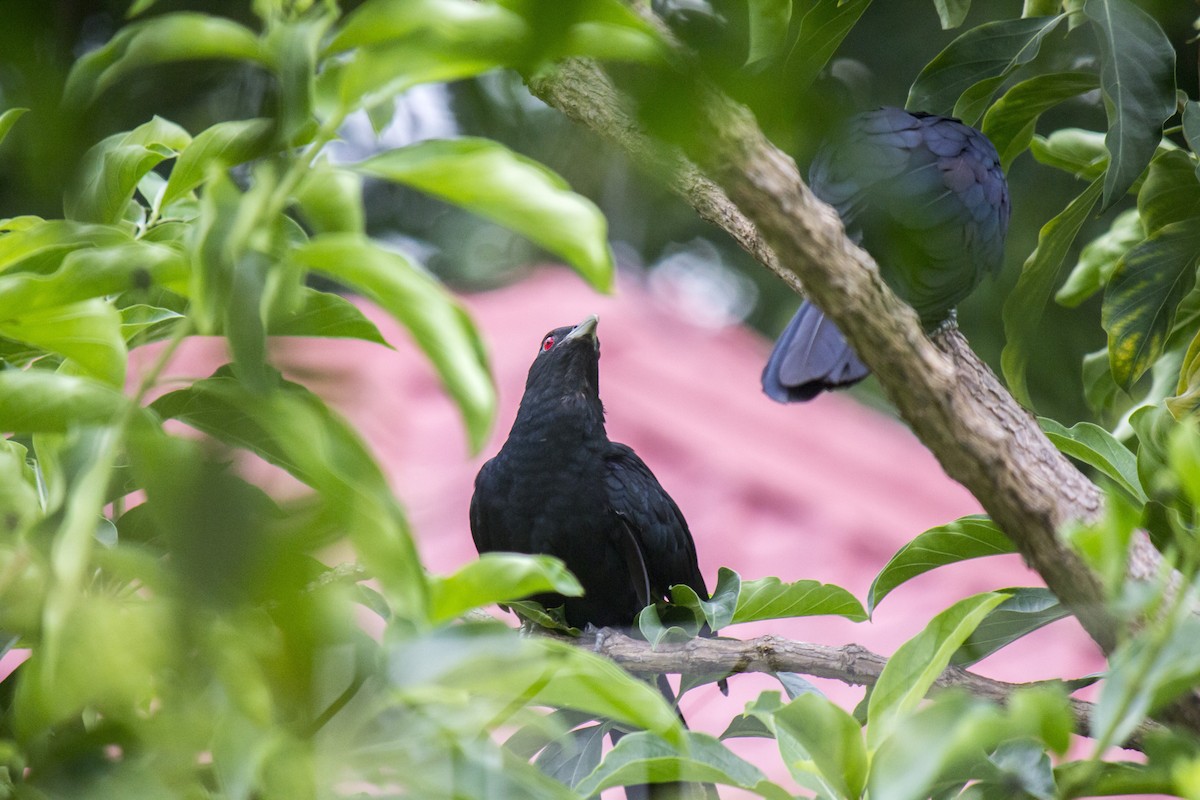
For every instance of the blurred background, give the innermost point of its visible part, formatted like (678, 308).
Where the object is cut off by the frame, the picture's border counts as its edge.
(658, 240)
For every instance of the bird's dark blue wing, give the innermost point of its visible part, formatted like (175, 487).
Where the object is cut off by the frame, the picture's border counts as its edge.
(649, 513)
(810, 356)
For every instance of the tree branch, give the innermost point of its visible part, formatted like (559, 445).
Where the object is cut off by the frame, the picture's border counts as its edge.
(952, 401)
(851, 664)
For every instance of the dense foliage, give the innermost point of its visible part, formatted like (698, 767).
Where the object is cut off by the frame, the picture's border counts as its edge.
(182, 638)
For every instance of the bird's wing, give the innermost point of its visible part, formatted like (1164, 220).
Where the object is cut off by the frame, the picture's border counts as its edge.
(654, 521)
(486, 491)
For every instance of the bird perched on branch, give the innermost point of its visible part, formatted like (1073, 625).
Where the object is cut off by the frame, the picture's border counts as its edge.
(926, 197)
(558, 486)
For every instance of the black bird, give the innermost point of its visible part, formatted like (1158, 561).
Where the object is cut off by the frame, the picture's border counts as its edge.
(926, 197)
(558, 486)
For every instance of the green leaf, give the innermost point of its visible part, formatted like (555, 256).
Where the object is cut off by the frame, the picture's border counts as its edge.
(92, 272)
(182, 36)
(644, 758)
(768, 27)
(1011, 120)
(719, 609)
(448, 22)
(572, 757)
(8, 119)
(1025, 304)
(331, 200)
(496, 578)
(88, 333)
(822, 29)
(1073, 150)
(327, 315)
(833, 740)
(1137, 77)
(329, 457)
(951, 13)
(292, 48)
(516, 192)
(913, 668)
(961, 79)
(1142, 296)
(771, 598)
(1092, 778)
(439, 325)
(1099, 258)
(39, 401)
(220, 146)
(1097, 448)
(1170, 193)
(970, 537)
(1024, 611)
(111, 170)
(1191, 128)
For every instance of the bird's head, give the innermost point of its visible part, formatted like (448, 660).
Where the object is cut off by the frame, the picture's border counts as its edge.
(567, 363)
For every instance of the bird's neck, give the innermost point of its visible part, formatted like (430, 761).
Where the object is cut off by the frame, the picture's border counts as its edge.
(569, 417)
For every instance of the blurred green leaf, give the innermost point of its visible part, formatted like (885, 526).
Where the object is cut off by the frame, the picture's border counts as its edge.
(1097, 448)
(970, 537)
(331, 200)
(1142, 296)
(1137, 76)
(448, 22)
(1024, 611)
(38, 401)
(182, 36)
(291, 47)
(8, 119)
(644, 758)
(439, 325)
(822, 29)
(951, 13)
(1112, 778)
(1099, 259)
(87, 332)
(1011, 120)
(219, 146)
(1025, 304)
(833, 740)
(1191, 128)
(111, 169)
(516, 192)
(572, 757)
(1170, 193)
(771, 598)
(916, 664)
(768, 22)
(496, 578)
(328, 315)
(961, 79)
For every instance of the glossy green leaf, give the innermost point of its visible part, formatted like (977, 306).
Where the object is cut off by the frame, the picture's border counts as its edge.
(822, 30)
(1142, 296)
(961, 79)
(961, 540)
(92, 272)
(1073, 150)
(913, 668)
(1011, 120)
(220, 146)
(1024, 611)
(1137, 76)
(951, 13)
(1025, 304)
(182, 36)
(518, 193)
(768, 27)
(496, 578)
(8, 119)
(39, 401)
(439, 325)
(330, 458)
(88, 333)
(833, 740)
(41, 245)
(327, 315)
(112, 169)
(771, 598)
(719, 609)
(448, 22)
(1099, 449)
(1170, 193)
(644, 758)
(1099, 259)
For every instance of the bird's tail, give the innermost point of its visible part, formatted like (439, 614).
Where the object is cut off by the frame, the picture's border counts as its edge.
(674, 790)
(810, 356)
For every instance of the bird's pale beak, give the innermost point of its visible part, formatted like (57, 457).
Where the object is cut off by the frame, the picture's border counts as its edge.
(587, 329)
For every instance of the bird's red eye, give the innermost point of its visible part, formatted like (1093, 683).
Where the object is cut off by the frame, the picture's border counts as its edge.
(547, 343)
